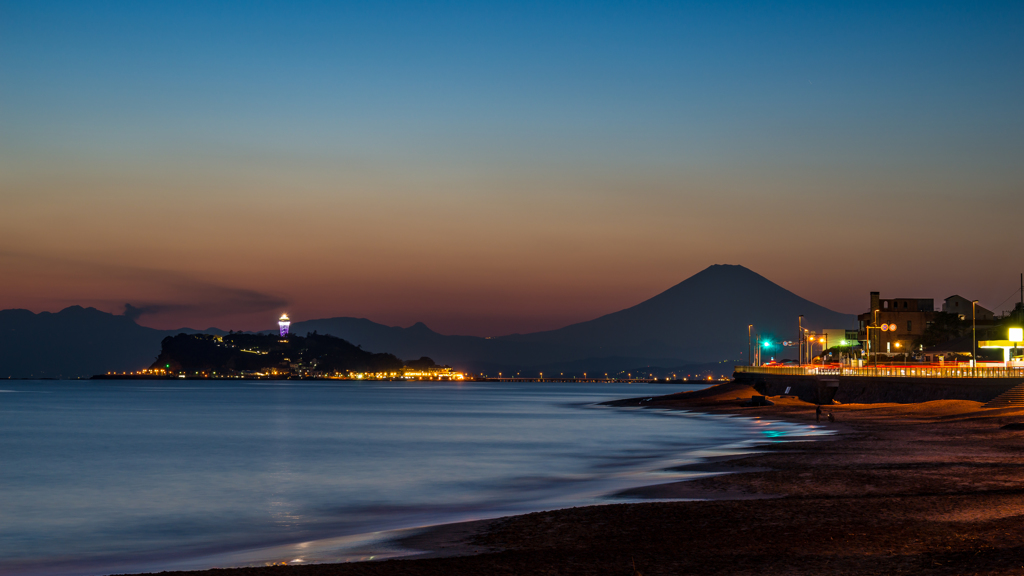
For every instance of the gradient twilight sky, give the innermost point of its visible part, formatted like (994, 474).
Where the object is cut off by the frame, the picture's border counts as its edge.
(490, 168)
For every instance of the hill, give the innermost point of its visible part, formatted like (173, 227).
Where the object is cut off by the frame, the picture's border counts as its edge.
(267, 354)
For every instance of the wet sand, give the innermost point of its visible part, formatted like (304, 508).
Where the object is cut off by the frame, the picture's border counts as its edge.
(930, 488)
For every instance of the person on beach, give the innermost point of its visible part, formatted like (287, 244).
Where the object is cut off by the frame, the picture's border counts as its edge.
(817, 413)
(831, 418)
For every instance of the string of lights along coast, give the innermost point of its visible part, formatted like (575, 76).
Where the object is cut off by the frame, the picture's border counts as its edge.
(903, 351)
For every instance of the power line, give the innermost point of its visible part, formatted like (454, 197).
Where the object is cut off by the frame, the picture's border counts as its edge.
(1015, 292)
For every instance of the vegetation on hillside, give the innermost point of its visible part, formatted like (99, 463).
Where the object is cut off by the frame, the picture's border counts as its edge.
(311, 355)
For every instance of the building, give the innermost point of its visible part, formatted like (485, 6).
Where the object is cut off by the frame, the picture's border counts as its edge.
(894, 323)
(1011, 346)
(961, 306)
(283, 323)
(832, 337)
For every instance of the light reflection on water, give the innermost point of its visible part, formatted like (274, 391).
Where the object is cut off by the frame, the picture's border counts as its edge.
(105, 477)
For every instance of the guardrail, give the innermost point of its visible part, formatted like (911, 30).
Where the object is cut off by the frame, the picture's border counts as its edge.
(889, 371)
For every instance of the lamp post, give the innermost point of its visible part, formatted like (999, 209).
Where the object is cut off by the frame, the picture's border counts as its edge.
(974, 338)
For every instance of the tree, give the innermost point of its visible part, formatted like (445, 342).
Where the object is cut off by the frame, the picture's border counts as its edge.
(943, 328)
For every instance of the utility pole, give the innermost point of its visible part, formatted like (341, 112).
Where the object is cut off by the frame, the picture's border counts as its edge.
(800, 338)
(750, 359)
(877, 344)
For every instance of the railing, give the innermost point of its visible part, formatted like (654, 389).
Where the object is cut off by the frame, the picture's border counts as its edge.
(905, 371)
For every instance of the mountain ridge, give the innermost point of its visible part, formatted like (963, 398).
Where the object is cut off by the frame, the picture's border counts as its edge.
(660, 328)
(702, 319)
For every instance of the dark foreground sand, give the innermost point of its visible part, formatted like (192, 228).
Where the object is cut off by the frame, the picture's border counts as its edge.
(932, 488)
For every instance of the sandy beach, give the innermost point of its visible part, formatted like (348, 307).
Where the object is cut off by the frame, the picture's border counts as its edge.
(930, 488)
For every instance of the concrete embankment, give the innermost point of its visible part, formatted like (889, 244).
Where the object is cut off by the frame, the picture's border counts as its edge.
(869, 390)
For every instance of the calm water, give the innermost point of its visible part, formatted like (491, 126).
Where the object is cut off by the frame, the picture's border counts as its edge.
(104, 477)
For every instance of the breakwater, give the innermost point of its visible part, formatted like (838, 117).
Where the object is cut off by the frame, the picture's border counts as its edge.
(822, 389)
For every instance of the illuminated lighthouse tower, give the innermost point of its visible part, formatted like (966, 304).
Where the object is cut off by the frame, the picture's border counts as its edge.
(283, 323)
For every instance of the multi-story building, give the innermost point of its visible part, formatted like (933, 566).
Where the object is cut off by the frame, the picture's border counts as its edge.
(961, 306)
(894, 323)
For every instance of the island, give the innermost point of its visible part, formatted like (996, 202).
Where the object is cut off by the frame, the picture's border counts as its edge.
(269, 356)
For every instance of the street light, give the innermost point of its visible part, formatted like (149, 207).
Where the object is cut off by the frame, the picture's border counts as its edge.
(974, 338)
(767, 345)
(868, 329)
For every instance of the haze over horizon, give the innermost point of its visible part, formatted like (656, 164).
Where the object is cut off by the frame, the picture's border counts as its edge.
(497, 168)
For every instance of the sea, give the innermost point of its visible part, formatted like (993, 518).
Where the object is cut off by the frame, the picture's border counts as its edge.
(104, 477)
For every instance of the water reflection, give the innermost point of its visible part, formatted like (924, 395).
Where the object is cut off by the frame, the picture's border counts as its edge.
(128, 476)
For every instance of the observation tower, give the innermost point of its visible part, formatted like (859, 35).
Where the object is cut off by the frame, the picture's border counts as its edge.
(283, 323)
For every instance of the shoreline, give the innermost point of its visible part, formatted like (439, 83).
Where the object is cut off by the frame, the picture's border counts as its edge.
(929, 488)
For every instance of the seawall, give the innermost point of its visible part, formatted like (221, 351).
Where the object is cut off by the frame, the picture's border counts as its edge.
(876, 389)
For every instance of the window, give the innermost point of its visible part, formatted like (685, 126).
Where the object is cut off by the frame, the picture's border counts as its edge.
(909, 326)
(904, 303)
(885, 304)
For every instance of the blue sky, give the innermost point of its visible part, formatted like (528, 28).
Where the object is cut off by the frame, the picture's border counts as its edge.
(568, 141)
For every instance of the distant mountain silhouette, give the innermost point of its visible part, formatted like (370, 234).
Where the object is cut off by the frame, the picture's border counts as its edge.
(702, 319)
(75, 342)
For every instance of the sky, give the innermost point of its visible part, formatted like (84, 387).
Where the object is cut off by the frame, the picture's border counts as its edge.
(490, 168)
